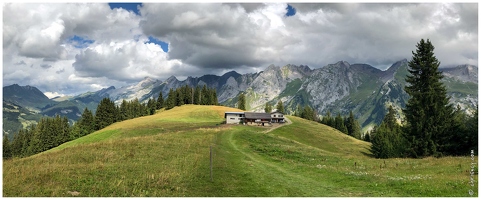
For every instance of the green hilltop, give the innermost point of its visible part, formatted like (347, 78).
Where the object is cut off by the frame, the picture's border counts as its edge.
(168, 155)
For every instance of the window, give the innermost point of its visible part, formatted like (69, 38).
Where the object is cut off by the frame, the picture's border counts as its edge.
(274, 115)
(232, 118)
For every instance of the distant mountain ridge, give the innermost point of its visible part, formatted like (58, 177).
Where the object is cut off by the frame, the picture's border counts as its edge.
(338, 88)
(26, 96)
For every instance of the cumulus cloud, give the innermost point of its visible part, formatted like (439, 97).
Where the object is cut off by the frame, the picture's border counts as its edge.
(124, 61)
(53, 94)
(73, 48)
(218, 35)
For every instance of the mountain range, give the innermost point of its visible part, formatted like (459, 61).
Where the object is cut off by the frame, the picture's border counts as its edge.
(338, 88)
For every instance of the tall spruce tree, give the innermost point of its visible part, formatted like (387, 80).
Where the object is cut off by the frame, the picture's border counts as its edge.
(17, 143)
(160, 101)
(429, 115)
(105, 114)
(7, 149)
(339, 124)
(268, 108)
(280, 107)
(204, 96)
(171, 99)
(353, 127)
(241, 103)
(388, 140)
(197, 95)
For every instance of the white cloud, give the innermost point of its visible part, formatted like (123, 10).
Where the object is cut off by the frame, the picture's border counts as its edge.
(124, 61)
(53, 94)
(212, 38)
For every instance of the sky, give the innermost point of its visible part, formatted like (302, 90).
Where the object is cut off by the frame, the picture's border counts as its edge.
(72, 48)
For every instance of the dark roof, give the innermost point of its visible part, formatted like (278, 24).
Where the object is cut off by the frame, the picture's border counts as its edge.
(255, 115)
(225, 114)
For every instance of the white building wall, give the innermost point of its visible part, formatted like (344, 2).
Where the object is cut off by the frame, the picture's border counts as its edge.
(233, 118)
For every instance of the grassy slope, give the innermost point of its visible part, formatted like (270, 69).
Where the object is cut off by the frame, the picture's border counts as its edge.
(167, 154)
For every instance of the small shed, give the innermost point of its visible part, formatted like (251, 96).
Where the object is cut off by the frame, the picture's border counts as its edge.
(234, 117)
(257, 118)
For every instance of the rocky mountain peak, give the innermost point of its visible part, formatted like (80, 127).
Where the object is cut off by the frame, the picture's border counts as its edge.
(146, 82)
(465, 73)
(171, 79)
(272, 67)
(343, 64)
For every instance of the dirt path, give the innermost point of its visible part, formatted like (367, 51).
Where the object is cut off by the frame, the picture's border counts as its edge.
(288, 122)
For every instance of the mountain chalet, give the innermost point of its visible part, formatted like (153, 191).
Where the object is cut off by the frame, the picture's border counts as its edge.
(253, 118)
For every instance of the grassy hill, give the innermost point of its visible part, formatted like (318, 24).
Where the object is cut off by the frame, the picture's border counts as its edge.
(167, 154)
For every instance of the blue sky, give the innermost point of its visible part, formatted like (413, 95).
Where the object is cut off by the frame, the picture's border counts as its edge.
(134, 7)
(127, 6)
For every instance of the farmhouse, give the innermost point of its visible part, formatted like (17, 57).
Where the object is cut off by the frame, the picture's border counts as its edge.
(257, 118)
(252, 118)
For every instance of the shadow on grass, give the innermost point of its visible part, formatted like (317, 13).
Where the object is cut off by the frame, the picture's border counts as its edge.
(368, 154)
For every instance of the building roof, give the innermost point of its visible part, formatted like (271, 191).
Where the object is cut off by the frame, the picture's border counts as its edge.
(276, 112)
(255, 115)
(225, 114)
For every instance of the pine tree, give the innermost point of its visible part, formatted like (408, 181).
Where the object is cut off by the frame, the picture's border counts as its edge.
(215, 101)
(26, 149)
(17, 143)
(298, 112)
(353, 127)
(268, 108)
(388, 140)
(197, 95)
(472, 132)
(308, 113)
(7, 149)
(105, 114)
(179, 99)
(367, 137)
(280, 107)
(327, 120)
(171, 99)
(429, 115)
(151, 106)
(204, 96)
(122, 110)
(339, 124)
(160, 101)
(241, 104)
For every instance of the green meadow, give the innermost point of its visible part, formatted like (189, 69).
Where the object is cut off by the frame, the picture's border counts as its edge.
(168, 155)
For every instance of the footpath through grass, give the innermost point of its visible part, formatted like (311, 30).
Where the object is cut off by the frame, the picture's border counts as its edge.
(167, 155)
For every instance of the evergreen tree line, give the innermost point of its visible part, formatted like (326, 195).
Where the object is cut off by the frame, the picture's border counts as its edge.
(51, 132)
(188, 95)
(306, 113)
(390, 138)
(432, 126)
(348, 125)
(279, 107)
(46, 134)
